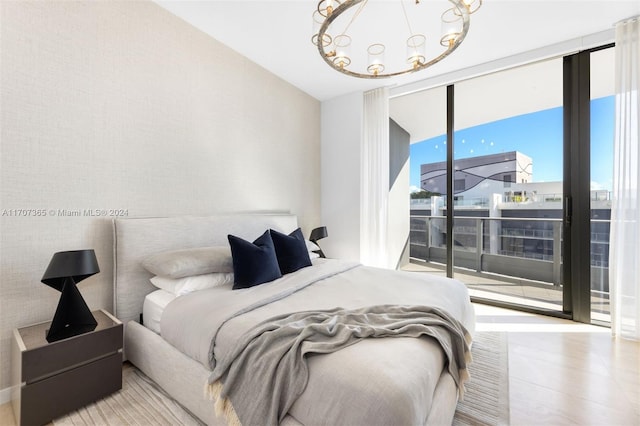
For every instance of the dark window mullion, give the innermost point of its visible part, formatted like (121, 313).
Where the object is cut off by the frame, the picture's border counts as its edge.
(577, 217)
(450, 177)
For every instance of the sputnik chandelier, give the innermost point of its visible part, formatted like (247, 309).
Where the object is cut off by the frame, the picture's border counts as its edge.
(333, 19)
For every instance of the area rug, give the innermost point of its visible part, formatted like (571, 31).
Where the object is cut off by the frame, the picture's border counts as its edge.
(142, 402)
(486, 401)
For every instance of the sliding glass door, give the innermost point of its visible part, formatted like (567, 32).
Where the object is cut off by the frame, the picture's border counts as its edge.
(428, 225)
(520, 161)
(507, 185)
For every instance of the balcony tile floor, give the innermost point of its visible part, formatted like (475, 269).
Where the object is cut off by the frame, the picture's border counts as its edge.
(521, 292)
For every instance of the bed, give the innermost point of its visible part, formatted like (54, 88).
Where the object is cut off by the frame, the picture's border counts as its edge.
(402, 378)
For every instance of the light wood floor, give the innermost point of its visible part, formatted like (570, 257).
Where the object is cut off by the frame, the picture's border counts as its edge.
(566, 373)
(560, 372)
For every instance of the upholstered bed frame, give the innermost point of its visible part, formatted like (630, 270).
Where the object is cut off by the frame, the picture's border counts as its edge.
(137, 238)
(180, 376)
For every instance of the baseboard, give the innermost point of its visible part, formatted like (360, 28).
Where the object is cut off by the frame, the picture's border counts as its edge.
(5, 395)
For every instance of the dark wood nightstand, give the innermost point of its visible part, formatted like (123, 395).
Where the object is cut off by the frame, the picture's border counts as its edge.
(52, 379)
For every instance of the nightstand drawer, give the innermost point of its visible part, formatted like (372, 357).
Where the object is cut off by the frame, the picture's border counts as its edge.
(51, 379)
(62, 355)
(65, 392)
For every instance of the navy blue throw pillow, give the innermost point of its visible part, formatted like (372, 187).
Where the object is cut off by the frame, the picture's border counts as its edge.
(291, 251)
(253, 263)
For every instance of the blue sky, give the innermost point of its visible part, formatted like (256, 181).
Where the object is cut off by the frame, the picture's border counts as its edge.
(538, 135)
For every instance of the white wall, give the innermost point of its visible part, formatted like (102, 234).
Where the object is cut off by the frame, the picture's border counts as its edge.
(121, 105)
(342, 132)
(341, 125)
(399, 220)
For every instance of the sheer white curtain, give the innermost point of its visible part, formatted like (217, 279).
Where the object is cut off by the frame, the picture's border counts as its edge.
(374, 198)
(624, 250)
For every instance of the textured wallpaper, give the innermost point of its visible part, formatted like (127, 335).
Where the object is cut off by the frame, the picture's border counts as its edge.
(120, 108)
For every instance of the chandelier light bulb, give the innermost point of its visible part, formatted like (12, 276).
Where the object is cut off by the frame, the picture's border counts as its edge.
(326, 7)
(342, 45)
(472, 5)
(317, 23)
(451, 23)
(416, 45)
(376, 58)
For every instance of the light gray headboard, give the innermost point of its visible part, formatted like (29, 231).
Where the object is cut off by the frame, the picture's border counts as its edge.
(137, 238)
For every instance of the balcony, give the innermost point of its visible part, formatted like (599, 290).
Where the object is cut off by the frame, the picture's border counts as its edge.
(516, 260)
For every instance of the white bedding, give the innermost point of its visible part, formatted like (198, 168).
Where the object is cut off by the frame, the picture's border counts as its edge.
(154, 304)
(192, 323)
(214, 319)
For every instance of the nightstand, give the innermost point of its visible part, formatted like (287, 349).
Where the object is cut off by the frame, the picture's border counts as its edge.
(52, 379)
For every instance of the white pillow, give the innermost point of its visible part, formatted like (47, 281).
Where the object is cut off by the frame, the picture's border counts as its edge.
(190, 262)
(182, 286)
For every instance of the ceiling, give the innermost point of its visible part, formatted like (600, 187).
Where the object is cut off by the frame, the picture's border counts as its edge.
(276, 34)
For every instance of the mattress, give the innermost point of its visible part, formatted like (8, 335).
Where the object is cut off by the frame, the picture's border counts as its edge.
(154, 304)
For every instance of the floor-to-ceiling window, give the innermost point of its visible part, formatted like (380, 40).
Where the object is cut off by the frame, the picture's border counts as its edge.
(511, 199)
(508, 176)
(428, 221)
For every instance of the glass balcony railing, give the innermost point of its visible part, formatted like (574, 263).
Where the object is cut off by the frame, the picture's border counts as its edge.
(603, 196)
(523, 251)
(484, 244)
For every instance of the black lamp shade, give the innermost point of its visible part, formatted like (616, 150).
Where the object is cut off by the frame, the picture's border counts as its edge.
(318, 234)
(72, 315)
(78, 264)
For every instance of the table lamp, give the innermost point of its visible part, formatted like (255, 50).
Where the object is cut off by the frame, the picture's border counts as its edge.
(66, 269)
(318, 234)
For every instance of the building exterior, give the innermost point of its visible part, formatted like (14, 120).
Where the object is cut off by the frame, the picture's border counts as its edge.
(478, 176)
(504, 222)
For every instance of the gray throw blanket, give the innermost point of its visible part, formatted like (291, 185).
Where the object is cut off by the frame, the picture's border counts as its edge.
(260, 379)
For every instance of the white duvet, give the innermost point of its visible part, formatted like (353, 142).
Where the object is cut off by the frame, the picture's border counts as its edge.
(389, 377)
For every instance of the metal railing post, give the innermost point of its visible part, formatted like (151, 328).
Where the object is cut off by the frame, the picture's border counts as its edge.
(428, 238)
(479, 243)
(557, 254)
